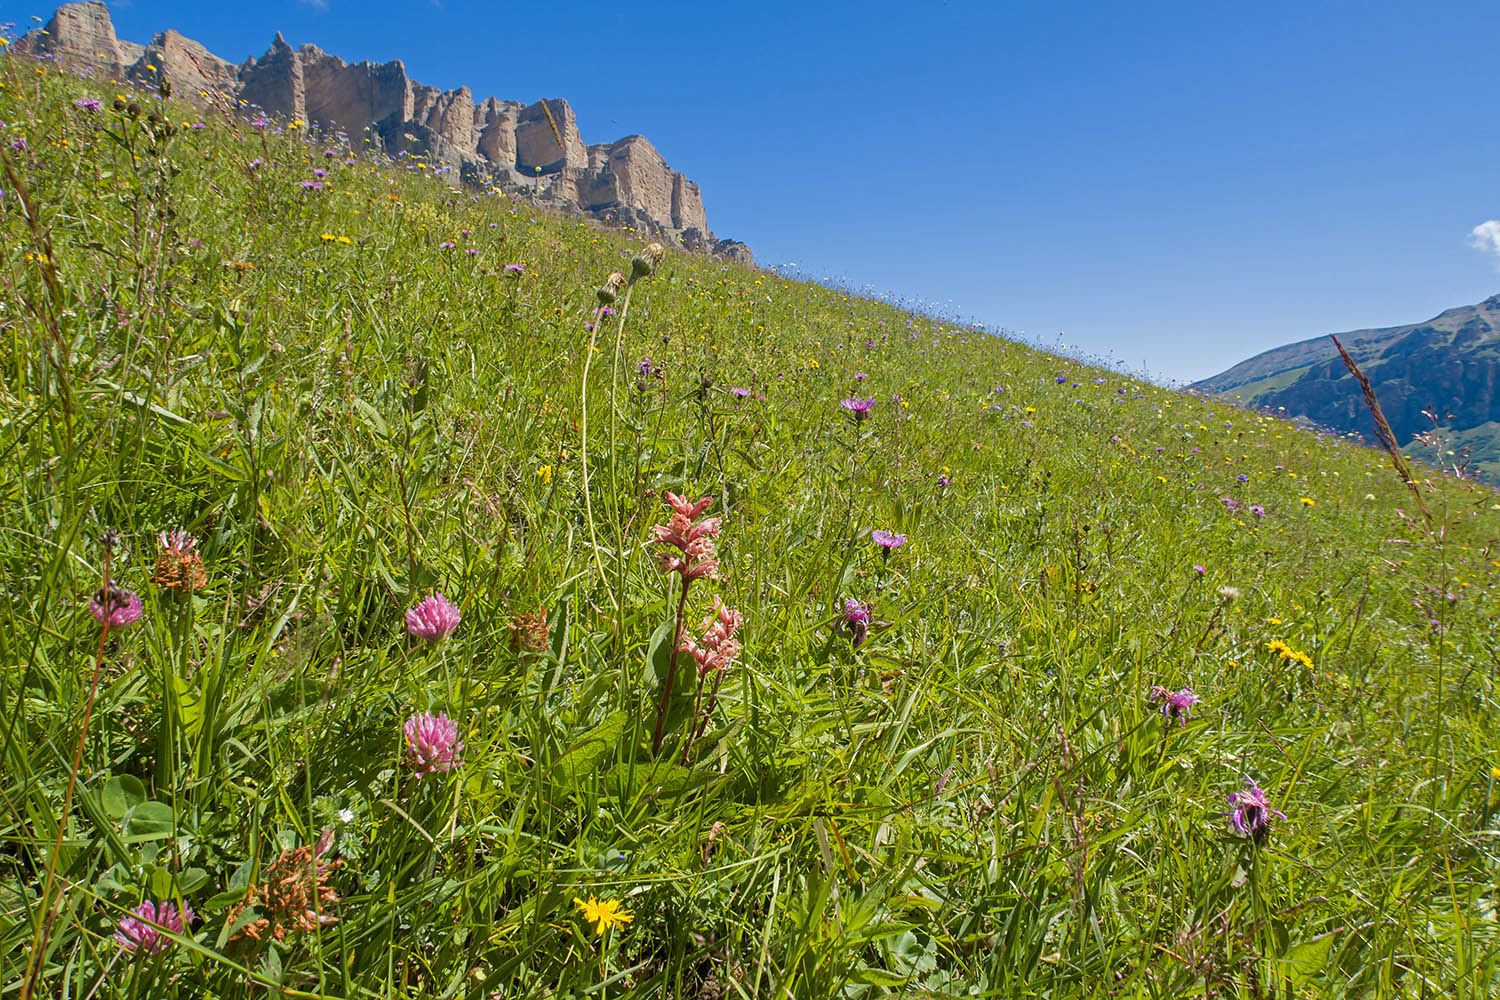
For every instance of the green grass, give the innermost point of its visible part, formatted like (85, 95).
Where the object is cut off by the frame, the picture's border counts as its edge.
(981, 800)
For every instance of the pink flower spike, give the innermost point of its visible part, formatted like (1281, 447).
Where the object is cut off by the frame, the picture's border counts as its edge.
(140, 930)
(433, 618)
(432, 743)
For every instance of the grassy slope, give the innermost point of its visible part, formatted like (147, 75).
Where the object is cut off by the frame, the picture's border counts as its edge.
(980, 801)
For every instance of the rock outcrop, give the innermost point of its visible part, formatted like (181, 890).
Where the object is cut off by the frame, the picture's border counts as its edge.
(536, 148)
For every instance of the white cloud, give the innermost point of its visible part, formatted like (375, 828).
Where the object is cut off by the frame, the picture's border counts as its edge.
(1485, 238)
(314, 4)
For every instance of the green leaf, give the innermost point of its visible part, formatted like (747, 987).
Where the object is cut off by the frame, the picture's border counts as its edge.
(149, 821)
(122, 793)
(589, 751)
(1304, 961)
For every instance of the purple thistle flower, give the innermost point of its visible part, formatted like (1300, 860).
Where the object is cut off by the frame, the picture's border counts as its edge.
(1257, 510)
(741, 393)
(141, 929)
(1175, 705)
(87, 104)
(446, 245)
(1230, 503)
(887, 540)
(432, 743)
(312, 185)
(320, 173)
(515, 270)
(856, 620)
(857, 406)
(646, 368)
(1252, 812)
(433, 618)
(118, 605)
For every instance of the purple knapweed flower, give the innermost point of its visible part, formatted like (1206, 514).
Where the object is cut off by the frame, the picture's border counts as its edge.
(447, 245)
(515, 270)
(887, 540)
(1252, 812)
(320, 173)
(861, 376)
(116, 606)
(19, 145)
(944, 482)
(857, 406)
(433, 618)
(312, 185)
(432, 743)
(1230, 503)
(856, 621)
(1256, 510)
(1200, 570)
(87, 104)
(741, 393)
(1175, 705)
(140, 930)
(646, 368)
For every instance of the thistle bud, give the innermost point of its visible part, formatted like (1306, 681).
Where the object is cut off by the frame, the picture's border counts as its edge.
(610, 290)
(647, 261)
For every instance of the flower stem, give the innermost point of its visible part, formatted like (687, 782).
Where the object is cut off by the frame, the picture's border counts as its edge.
(666, 688)
(583, 447)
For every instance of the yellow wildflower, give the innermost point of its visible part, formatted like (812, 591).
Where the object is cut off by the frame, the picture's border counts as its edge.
(603, 913)
(1308, 501)
(545, 474)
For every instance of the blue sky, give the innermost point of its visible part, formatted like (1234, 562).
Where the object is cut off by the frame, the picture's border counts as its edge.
(1173, 185)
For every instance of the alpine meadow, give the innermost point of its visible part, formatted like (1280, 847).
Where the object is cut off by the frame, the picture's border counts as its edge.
(409, 592)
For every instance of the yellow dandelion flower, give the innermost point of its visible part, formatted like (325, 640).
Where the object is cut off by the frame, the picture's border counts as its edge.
(603, 913)
(1308, 501)
(345, 239)
(329, 236)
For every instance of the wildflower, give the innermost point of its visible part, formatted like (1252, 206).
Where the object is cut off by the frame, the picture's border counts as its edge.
(1230, 503)
(140, 930)
(320, 173)
(856, 621)
(603, 913)
(514, 270)
(1252, 812)
(647, 261)
(87, 104)
(529, 632)
(312, 185)
(1308, 501)
(1175, 705)
(693, 539)
(719, 647)
(446, 245)
(256, 163)
(295, 895)
(433, 618)
(646, 368)
(887, 540)
(432, 743)
(1062, 380)
(741, 393)
(545, 474)
(178, 565)
(610, 290)
(857, 406)
(860, 376)
(1200, 569)
(1256, 510)
(115, 606)
(1242, 478)
(944, 482)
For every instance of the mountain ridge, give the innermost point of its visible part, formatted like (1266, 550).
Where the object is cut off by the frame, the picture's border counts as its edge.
(1438, 382)
(534, 149)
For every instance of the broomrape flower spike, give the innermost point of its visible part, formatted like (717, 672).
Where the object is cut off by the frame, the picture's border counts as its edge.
(140, 930)
(1251, 813)
(432, 743)
(603, 913)
(719, 647)
(294, 895)
(178, 565)
(433, 619)
(693, 540)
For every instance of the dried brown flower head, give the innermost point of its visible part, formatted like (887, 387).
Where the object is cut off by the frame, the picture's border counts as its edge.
(610, 290)
(647, 261)
(529, 632)
(178, 565)
(295, 895)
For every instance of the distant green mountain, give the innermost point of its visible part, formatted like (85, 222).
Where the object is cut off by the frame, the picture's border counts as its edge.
(1448, 366)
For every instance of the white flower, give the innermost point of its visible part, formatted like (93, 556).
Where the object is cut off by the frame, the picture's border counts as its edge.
(346, 815)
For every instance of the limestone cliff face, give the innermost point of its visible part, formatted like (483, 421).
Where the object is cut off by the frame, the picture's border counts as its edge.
(536, 148)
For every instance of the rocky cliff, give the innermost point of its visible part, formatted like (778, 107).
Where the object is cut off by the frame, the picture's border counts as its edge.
(536, 148)
(1448, 367)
